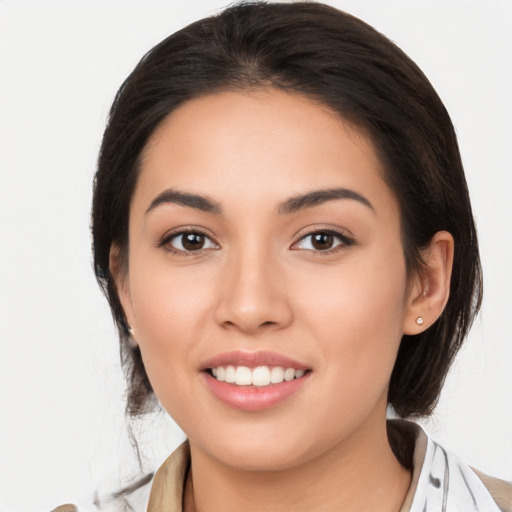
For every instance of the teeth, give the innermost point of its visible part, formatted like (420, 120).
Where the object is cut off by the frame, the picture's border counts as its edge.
(243, 376)
(259, 376)
(277, 374)
(230, 374)
(289, 374)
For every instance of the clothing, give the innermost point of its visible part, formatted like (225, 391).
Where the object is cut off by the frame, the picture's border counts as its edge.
(440, 482)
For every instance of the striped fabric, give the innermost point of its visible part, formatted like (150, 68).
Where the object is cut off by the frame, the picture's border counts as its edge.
(446, 484)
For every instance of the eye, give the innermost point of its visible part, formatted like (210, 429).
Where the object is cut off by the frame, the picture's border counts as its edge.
(322, 241)
(189, 241)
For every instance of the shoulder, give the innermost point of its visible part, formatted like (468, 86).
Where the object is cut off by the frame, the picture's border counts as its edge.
(500, 490)
(152, 492)
(464, 484)
(132, 498)
(443, 481)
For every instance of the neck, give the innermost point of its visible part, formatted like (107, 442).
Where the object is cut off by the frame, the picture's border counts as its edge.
(358, 474)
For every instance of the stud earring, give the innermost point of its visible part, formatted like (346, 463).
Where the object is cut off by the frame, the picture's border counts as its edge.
(131, 331)
(419, 320)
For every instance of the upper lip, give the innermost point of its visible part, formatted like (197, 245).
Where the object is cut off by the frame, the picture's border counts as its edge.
(252, 360)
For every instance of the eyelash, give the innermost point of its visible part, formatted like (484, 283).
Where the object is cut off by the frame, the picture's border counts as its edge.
(165, 243)
(343, 238)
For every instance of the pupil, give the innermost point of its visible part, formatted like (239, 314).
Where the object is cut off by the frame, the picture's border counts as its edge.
(322, 241)
(193, 241)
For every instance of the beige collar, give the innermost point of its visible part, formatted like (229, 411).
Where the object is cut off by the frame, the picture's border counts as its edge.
(169, 482)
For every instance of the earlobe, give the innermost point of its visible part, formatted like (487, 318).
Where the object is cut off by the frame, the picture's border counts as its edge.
(431, 289)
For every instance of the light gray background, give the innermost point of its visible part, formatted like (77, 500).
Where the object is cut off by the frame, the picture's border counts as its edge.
(62, 431)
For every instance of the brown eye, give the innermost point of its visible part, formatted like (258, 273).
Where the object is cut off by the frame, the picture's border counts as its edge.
(190, 241)
(322, 241)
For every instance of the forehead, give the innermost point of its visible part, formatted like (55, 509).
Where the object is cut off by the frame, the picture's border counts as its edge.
(263, 144)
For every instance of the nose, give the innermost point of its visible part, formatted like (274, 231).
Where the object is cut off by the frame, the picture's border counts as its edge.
(253, 296)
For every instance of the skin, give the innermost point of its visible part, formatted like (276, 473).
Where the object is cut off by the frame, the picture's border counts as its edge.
(259, 284)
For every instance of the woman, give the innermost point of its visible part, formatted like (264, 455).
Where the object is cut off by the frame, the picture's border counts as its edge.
(282, 227)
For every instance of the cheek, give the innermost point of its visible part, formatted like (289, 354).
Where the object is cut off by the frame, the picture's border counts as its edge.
(164, 294)
(357, 312)
(171, 310)
(360, 292)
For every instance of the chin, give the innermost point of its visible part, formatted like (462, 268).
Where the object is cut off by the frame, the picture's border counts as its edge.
(255, 459)
(260, 451)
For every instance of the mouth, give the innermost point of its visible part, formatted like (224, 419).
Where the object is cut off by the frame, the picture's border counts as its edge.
(254, 381)
(259, 376)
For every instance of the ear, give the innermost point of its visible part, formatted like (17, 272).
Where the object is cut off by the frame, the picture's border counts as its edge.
(119, 271)
(430, 289)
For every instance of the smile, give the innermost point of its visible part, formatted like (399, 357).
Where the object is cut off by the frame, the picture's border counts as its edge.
(254, 381)
(259, 376)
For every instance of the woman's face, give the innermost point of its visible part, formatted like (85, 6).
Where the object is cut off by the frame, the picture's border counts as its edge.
(262, 235)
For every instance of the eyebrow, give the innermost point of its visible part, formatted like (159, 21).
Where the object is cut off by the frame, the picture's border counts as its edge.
(292, 205)
(197, 201)
(318, 197)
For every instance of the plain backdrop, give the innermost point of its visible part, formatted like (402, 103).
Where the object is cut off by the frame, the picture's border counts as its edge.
(62, 429)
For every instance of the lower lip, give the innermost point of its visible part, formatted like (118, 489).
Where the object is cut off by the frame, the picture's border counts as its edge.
(253, 398)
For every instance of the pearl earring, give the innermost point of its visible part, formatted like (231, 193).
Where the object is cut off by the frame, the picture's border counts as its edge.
(131, 331)
(419, 320)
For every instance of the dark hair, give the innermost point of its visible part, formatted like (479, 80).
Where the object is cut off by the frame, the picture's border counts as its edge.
(340, 61)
